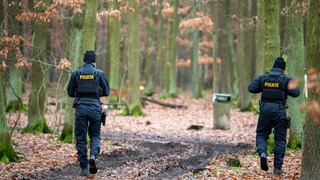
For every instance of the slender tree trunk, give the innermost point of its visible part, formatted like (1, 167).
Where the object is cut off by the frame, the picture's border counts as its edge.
(272, 46)
(225, 49)
(221, 112)
(240, 47)
(310, 155)
(122, 60)
(172, 68)
(149, 68)
(196, 89)
(170, 85)
(160, 59)
(114, 47)
(272, 38)
(260, 33)
(90, 26)
(283, 28)
(295, 69)
(36, 107)
(113, 52)
(234, 63)
(15, 74)
(245, 55)
(134, 104)
(215, 64)
(3, 4)
(7, 153)
(75, 59)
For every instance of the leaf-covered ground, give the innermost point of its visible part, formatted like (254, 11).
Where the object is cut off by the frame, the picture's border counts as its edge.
(156, 146)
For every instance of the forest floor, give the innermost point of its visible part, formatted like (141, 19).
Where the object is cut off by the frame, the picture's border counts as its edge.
(156, 146)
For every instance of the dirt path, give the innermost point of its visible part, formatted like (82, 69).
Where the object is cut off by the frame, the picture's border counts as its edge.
(152, 157)
(157, 146)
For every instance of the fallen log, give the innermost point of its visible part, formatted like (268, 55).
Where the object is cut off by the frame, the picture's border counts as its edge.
(163, 103)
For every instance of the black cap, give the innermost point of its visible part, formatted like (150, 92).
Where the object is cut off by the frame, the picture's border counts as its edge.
(89, 57)
(279, 63)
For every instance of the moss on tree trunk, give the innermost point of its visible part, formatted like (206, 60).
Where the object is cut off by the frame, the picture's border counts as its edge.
(73, 55)
(40, 126)
(133, 110)
(133, 106)
(7, 153)
(67, 134)
(15, 105)
(38, 96)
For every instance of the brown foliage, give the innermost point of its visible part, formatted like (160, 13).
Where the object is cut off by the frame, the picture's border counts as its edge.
(12, 45)
(313, 107)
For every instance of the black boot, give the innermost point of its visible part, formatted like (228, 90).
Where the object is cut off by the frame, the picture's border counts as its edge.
(84, 172)
(264, 162)
(93, 168)
(278, 171)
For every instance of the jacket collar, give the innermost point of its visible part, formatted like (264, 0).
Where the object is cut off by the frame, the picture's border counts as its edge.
(88, 65)
(277, 71)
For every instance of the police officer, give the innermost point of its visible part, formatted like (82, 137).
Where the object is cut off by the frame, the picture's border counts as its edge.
(87, 85)
(274, 89)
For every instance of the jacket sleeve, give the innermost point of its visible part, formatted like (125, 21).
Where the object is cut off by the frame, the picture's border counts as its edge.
(255, 85)
(72, 85)
(104, 85)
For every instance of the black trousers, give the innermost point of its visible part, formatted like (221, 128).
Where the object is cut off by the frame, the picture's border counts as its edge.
(271, 116)
(88, 120)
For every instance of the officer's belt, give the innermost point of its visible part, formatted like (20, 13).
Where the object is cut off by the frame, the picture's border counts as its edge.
(89, 99)
(273, 103)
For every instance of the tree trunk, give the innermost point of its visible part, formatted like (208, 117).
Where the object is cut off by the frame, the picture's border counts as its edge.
(196, 89)
(310, 155)
(113, 51)
(15, 74)
(221, 112)
(234, 63)
(90, 26)
(3, 82)
(149, 68)
(36, 107)
(75, 59)
(160, 60)
(174, 46)
(260, 34)
(224, 49)
(114, 47)
(260, 67)
(245, 54)
(7, 153)
(215, 64)
(133, 106)
(283, 29)
(170, 85)
(296, 70)
(272, 46)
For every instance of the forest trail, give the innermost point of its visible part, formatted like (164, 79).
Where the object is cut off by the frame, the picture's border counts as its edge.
(159, 145)
(152, 158)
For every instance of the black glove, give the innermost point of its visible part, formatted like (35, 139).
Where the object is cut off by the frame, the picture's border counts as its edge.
(103, 117)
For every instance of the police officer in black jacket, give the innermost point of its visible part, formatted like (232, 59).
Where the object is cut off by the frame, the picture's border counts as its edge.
(87, 85)
(274, 89)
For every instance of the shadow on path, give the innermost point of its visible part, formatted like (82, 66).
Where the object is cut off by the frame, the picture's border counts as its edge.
(151, 158)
